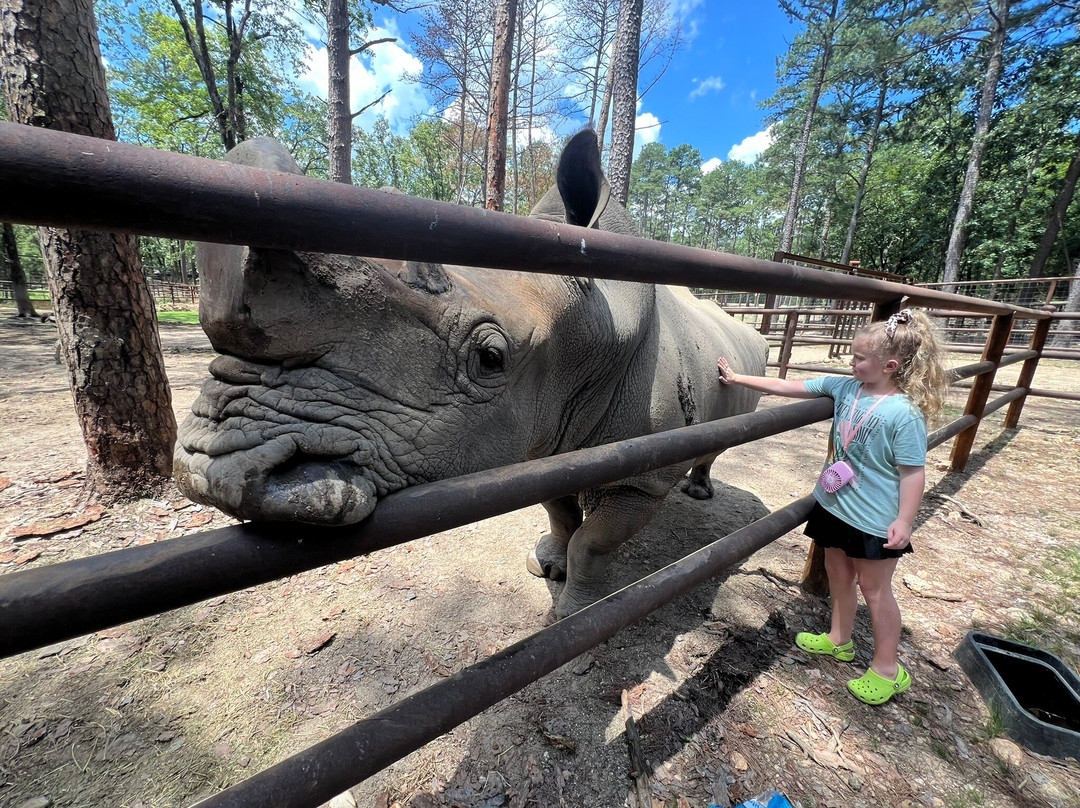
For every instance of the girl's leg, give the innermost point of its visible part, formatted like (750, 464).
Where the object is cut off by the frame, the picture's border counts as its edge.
(875, 581)
(841, 572)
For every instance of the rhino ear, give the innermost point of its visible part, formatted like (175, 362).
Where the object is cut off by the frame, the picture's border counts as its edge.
(580, 178)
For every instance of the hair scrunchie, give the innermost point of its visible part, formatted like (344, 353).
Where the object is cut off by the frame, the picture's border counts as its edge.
(901, 317)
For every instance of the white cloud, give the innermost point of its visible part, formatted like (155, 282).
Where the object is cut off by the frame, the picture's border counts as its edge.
(646, 130)
(751, 147)
(369, 80)
(713, 84)
(711, 165)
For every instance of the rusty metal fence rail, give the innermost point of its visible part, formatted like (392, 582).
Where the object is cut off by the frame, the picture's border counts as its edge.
(65, 180)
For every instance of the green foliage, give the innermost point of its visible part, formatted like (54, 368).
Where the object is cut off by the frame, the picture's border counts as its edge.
(892, 129)
(26, 241)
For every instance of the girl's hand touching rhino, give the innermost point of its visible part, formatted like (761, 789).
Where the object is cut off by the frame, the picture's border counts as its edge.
(727, 375)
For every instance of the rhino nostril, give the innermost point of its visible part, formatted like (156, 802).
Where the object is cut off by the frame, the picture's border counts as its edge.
(304, 359)
(234, 370)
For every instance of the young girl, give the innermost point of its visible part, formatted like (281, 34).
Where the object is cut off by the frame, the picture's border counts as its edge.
(867, 498)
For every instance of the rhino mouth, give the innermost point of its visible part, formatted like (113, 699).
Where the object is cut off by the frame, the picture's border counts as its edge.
(278, 480)
(248, 452)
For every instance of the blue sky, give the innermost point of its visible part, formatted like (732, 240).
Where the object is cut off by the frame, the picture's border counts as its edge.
(708, 97)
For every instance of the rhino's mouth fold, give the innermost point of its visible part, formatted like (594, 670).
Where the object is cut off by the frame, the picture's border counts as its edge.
(317, 489)
(256, 462)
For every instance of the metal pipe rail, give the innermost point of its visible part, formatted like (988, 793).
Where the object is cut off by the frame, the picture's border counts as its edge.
(315, 775)
(318, 773)
(63, 180)
(48, 604)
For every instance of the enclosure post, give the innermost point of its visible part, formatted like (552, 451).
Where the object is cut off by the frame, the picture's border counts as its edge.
(789, 339)
(1027, 372)
(996, 341)
(770, 299)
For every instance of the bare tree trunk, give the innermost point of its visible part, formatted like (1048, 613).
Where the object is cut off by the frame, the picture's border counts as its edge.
(860, 192)
(9, 258)
(605, 106)
(958, 236)
(1057, 216)
(787, 235)
(103, 309)
(200, 51)
(337, 54)
(624, 97)
(499, 100)
(1014, 220)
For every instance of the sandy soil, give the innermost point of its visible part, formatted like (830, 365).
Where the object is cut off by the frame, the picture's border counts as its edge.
(165, 711)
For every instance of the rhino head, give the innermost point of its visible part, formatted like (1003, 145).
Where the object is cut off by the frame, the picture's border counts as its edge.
(343, 379)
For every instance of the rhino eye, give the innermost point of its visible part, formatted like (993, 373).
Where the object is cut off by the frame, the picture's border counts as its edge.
(487, 360)
(491, 359)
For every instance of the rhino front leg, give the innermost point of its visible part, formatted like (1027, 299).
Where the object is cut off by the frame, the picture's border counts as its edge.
(698, 484)
(620, 514)
(548, 558)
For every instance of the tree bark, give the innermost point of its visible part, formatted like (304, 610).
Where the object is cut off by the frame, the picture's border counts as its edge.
(624, 97)
(957, 237)
(53, 77)
(9, 257)
(499, 100)
(337, 53)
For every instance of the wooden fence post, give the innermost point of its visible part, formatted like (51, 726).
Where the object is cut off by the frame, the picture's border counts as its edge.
(789, 339)
(1027, 370)
(996, 341)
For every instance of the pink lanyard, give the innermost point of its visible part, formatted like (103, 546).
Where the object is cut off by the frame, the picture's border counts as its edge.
(847, 431)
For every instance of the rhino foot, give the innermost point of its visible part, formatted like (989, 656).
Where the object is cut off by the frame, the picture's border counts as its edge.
(547, 559)
(697, 489)
(574, 601)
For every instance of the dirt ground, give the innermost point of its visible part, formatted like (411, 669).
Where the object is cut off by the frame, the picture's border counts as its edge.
(165, 711)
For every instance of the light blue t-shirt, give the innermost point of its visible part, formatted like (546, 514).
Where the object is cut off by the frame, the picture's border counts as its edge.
(894, 435)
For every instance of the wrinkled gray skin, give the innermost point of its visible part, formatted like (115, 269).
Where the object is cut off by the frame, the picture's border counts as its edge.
(342, 379)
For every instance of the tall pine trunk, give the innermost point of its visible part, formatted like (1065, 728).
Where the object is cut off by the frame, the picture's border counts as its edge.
(624, 97)
(53, 78)
(337, 55)
(1057, 215)
(791, 217)
(864, 172)
(499, 100)
(958, 236)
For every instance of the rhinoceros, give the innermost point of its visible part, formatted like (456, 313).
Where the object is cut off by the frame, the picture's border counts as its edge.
(341, 379)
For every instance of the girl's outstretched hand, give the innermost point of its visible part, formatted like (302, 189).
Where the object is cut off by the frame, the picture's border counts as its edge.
(727, 375)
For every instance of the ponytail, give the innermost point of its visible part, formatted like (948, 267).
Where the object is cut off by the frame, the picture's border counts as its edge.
(911, 338)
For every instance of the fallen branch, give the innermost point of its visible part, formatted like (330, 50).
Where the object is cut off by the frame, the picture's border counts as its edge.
(960, 506)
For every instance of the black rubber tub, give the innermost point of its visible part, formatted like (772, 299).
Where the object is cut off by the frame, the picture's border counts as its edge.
(1035, 695)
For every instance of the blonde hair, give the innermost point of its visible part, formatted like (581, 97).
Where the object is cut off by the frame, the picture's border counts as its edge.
(912, 339)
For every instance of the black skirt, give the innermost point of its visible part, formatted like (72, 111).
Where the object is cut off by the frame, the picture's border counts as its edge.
(828, 531)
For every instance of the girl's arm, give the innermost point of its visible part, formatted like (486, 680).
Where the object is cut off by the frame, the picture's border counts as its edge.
(780, 387)
(912, 484)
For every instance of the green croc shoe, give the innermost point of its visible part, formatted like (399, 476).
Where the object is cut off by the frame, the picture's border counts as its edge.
(821, 644)
(873, 688)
